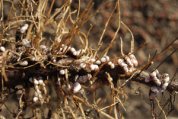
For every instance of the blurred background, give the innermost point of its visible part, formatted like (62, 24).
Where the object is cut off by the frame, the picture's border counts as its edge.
(154, 24)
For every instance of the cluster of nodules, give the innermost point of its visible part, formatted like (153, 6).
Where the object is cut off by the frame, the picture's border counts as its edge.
(40, 95)
(65, 48)
(23, 30)
(128, 63)
(71, 86)
(22, 63)
(161, 81)
(93, 64)
(47, 49)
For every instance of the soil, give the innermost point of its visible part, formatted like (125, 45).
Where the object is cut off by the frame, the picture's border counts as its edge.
(154, 26)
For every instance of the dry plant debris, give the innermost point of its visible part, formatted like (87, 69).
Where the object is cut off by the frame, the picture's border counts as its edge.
(53, 75)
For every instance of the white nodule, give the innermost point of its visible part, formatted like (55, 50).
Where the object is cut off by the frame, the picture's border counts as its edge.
(2, 49)
(24, 28)
(76, 87)
(165, 85)
(61, 49)
(120, 61)
(98, 62)
(153, 74)
(92, 59)
(103, 59)
(62, 71)
(89, 76)
(122, 64)
(40, 82)
(44, 47)
(131, 69)
(94, 67)
(72, 50)
(25, 42)
(35, 99)
(157, 81)
(111, 65)
(157, 72)
(126, 69)
(129, 62)
(82, 65)
(107, 58)
(35, 81)
(58, 81)
(77, 53)
(134, 60)
(166, 78)
(24, 63)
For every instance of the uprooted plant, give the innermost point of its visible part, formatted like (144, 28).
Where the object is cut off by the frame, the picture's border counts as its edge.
(43, 69)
